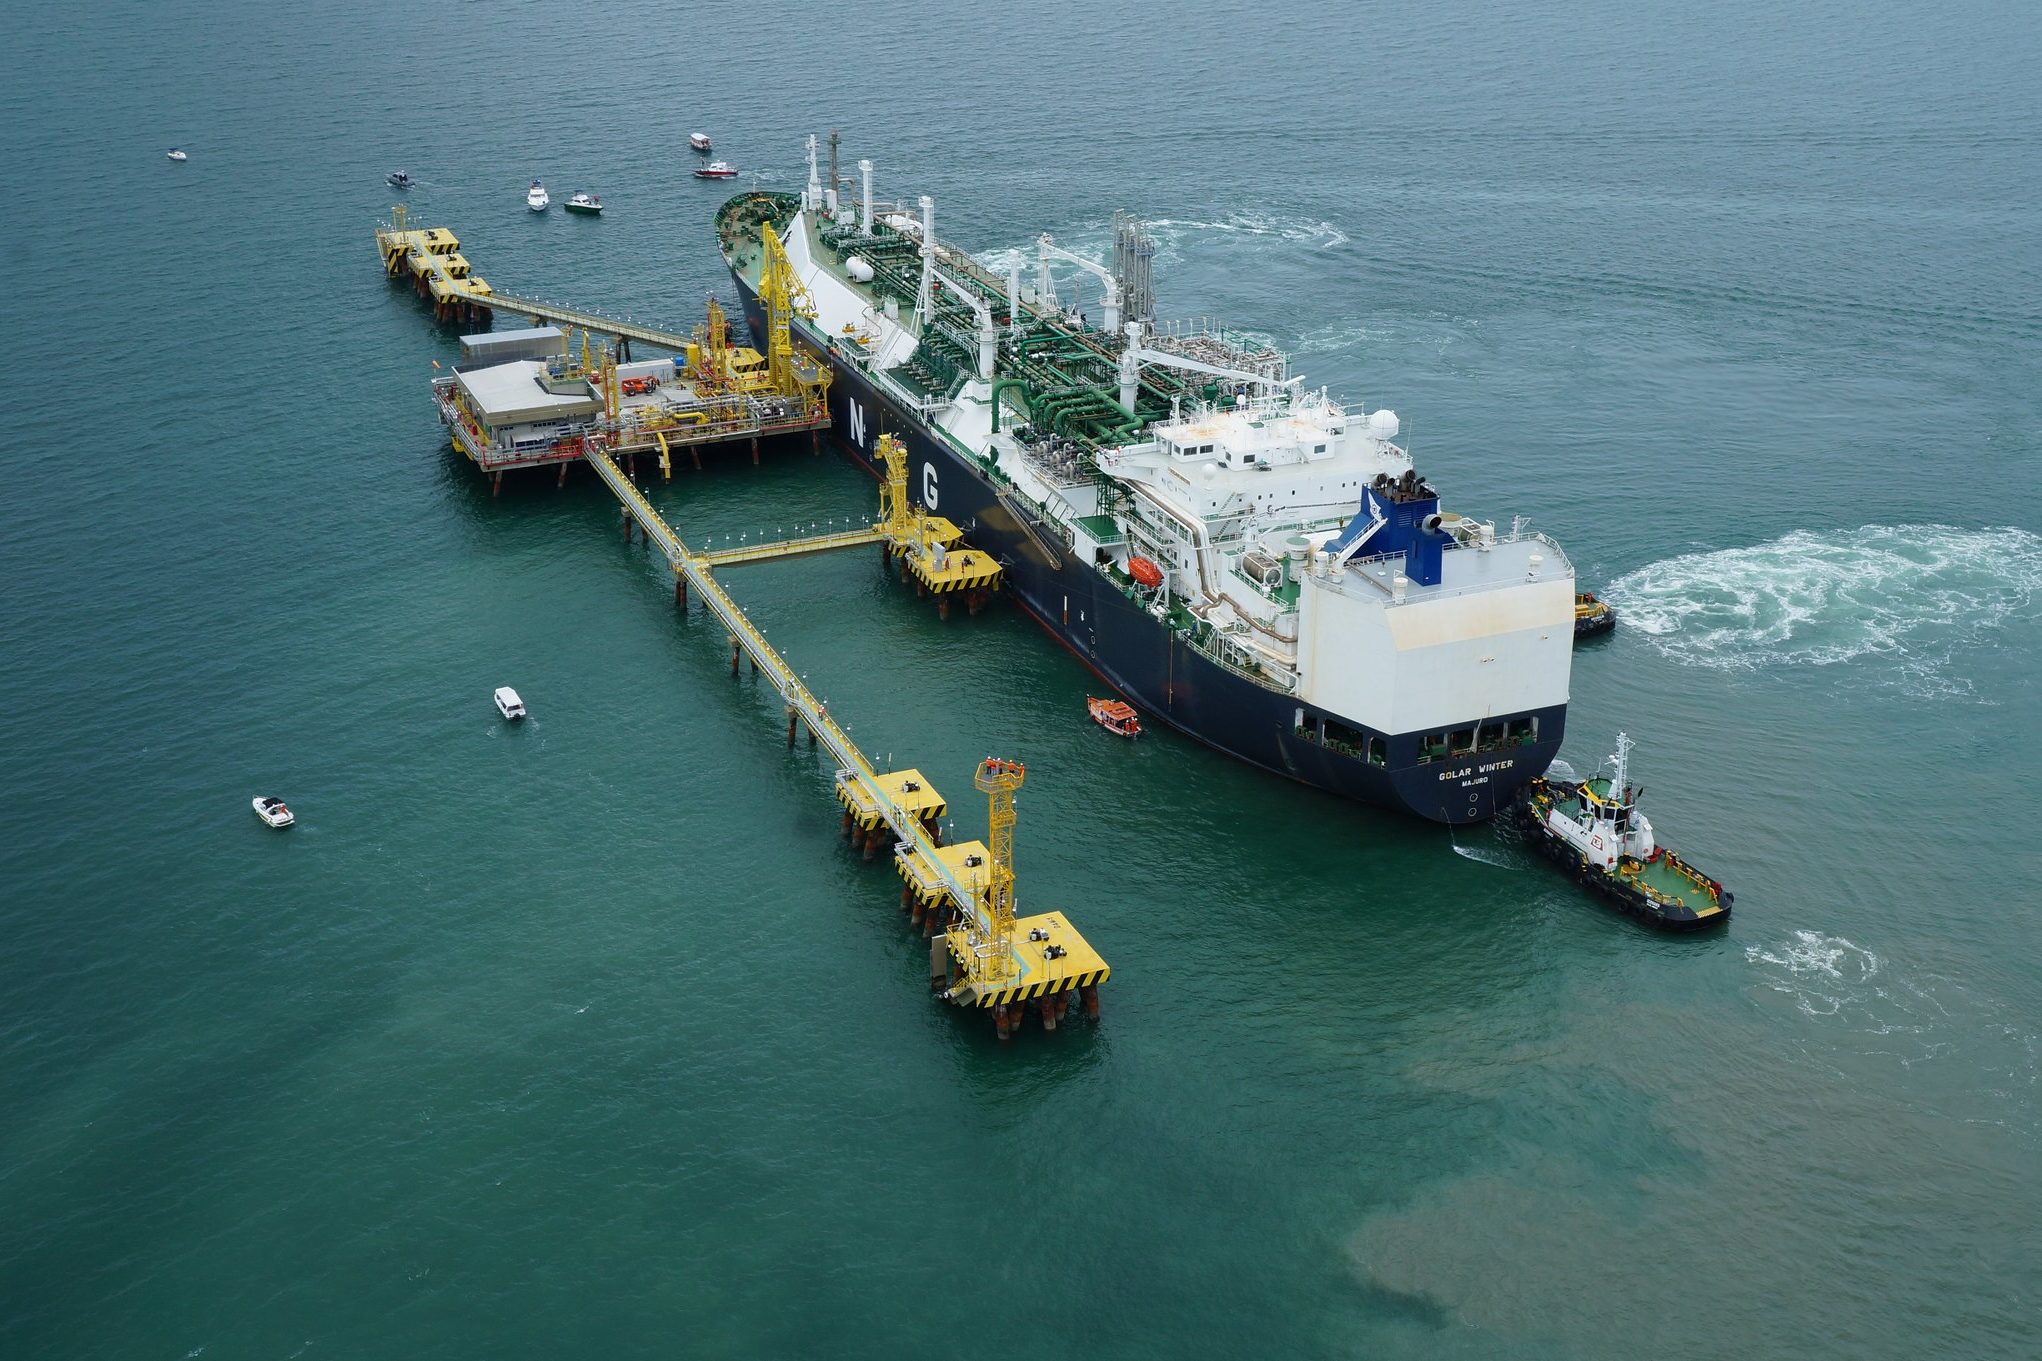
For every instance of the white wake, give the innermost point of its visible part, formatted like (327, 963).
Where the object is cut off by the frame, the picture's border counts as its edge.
(1911, 593)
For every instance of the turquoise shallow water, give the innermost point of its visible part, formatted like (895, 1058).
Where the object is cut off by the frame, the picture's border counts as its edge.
(588, 1037)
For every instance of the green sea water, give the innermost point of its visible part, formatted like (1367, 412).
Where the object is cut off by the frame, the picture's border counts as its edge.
(588, 1037)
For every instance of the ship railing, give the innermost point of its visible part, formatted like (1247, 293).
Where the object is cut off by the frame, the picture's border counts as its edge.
(1557, 567)
(1206, 339)
(1218, 648)
(924, 402)
(1215, 646)
(1268, 585)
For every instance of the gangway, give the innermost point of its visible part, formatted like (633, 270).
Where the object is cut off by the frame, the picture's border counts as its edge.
(600, 323)
(793, 548)
(1004, 961)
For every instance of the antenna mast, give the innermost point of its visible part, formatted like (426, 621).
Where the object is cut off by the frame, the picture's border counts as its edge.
(1620, 780)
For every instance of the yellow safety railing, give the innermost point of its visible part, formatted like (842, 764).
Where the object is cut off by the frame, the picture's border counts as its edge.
(696, 569)
(793, 548)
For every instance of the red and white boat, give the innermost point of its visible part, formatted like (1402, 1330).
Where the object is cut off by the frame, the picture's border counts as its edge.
(717, 170)
(698, 141)
(1115, 717)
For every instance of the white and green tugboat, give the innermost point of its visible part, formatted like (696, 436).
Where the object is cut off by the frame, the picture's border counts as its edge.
(1593, 827)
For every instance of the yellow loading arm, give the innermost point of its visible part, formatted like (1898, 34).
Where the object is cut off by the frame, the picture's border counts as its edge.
(998, 780)
(782, 295)
(613, 396)
(896, 516)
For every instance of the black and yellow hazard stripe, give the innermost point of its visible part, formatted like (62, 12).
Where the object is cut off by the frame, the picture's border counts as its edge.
(977, 580)
(1029, 991)
(863, 820)
(928, 892)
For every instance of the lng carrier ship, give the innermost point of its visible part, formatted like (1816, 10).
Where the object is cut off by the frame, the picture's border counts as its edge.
(1252, 562)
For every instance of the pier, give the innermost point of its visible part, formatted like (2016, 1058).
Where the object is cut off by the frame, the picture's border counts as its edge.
(549, 402)
(531, 398)
(961, 897)
(431, 258)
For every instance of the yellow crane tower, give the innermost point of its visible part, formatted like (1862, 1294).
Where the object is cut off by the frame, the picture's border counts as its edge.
(710, 354)
(782, 295)
(998, 779)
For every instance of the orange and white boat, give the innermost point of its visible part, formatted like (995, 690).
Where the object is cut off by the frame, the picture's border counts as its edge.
(1114, 716)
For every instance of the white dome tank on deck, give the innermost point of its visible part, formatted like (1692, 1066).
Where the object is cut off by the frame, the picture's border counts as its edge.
(859, 268)
(1383, 424)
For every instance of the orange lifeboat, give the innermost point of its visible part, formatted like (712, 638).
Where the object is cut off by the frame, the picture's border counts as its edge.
(1145, 572)
(1114, 716)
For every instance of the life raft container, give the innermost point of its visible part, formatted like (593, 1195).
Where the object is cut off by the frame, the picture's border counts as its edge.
(1145, 572)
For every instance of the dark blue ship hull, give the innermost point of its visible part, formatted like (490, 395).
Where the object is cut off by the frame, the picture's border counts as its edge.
(1150, 664)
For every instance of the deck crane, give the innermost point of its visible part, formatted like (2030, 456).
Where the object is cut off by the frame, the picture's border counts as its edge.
(1045, 287)
(997, 779)
(782, 295)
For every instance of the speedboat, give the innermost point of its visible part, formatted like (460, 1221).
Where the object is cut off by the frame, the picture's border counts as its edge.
(585, 203)
(508, 704)
(535, 197)
(398, 179)
(273, 812)
(178, 155)
(1114, 716)
(717, 170)
(698, 141)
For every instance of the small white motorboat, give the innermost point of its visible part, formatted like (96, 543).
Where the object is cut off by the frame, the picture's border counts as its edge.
(177, 154)
(717, 170)
(698, 141)
(508, 704)
(586, 204)
(536, 198)
(398, 179)
(273, 812)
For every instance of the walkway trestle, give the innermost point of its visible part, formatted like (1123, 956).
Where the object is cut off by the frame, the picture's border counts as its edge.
(792, 548)
(986, 957)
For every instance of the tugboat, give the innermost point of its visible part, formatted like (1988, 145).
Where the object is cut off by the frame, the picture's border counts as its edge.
(536, 197)
(1593, 828)
(588, 204)
(699, 141)
(398, 179)
(273, 812)
(1114, 716)
(1592, 616)
(177, 154)
(717, 170)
